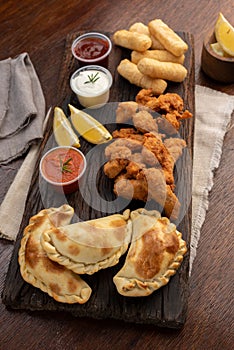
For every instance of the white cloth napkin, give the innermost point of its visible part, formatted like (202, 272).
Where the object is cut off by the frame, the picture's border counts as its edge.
(213, 116)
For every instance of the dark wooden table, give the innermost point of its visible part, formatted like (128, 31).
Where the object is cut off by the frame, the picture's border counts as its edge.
(40, 28)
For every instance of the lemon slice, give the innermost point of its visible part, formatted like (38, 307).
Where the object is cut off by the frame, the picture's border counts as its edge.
(63, 132)
(88, 127)
(224, 33)
(218, 49)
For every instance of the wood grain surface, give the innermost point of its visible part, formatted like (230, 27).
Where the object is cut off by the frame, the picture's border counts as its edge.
(166, 307)
(40, 28)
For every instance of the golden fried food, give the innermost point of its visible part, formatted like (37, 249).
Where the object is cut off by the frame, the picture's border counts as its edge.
(133, 169)
(149, 157)
(167, 102)
(114, 167)
(168, 126)
(131, 188)
(129, 71)
(120, 152)
(156, 184)
(162, 70)
(160, 55)
(139, 27)
(175, 146)
(143, 29)
(172, 204)
(121, 144)
(144, 122)
(169, 105)
(167, 37)
(160, 192)
(129, 135)
(156, 146)
(125, 111)
(172, 118)
(141, 159)
(155, 254)
(132, 40)
(170, 102)
(137, 158)
(37, 269)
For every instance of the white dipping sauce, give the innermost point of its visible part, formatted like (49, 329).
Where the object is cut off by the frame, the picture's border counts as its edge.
(91, 93)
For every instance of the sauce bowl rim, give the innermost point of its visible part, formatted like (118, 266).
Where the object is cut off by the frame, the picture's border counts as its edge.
(91, 34)
(91, 67)
(68, 182)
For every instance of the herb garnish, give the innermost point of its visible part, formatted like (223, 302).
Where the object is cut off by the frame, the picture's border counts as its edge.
(92, 78)
(64, 166)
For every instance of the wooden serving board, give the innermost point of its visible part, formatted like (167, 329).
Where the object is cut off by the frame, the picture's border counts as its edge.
(167, 306)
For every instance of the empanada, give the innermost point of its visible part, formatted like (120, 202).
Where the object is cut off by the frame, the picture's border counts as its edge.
(37, 269)
(155, 254)
(88, 246)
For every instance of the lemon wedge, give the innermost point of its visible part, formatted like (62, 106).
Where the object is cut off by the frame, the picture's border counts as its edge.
(88, 127)
(63, 132)
(218, 49)
(224, 33)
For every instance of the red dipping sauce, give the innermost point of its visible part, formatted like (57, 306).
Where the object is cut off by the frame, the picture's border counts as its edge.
(92, 48)
(62, 167)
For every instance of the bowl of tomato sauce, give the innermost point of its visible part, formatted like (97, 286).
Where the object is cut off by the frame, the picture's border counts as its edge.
(63, 167)
(92, 48)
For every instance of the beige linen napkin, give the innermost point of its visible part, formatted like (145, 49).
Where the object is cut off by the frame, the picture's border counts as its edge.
(16, 196)
(213, 118)
(22, 107)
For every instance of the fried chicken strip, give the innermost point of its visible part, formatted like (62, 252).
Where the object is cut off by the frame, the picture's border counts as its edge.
(174, 119)
(122, 145)
(156, 146)
(169, 102)
(149, 157)
(169, 105)
(125, 111)
(130, 134)
(144, 122)
(149, 184)
(175, 146)
(169, 126)
(131, 188)
(161, 192)
(114, 167)
(133, 169)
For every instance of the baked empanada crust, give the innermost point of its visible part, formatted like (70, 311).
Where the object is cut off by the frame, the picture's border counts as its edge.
(87, 247)
(37, 269)
(155, 254)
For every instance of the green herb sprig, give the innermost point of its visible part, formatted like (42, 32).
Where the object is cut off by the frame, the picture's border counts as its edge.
(64, 166)
(92, 78)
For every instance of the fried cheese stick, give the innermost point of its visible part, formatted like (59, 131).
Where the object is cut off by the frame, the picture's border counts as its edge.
(143, 29)
(132, 40)
(162, 70)
(160, 55)
(167, 37)
(129, 71)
